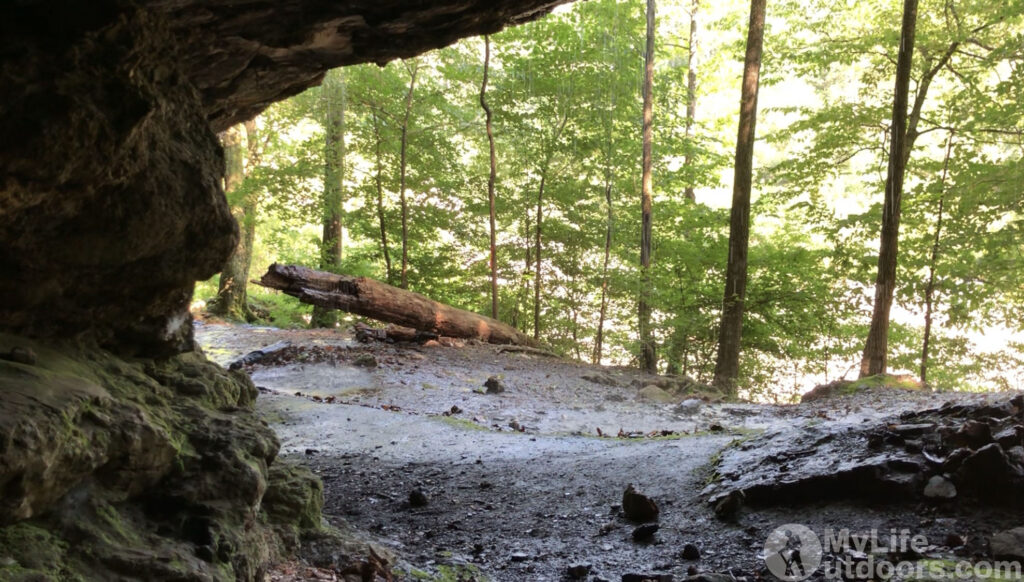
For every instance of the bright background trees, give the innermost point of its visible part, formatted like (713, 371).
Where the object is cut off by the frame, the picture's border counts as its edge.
(566, 96)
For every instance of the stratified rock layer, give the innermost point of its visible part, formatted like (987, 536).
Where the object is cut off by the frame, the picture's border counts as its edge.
(975, 450)
(242, 58)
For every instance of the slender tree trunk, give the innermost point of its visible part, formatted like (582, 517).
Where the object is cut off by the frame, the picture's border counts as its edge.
(677, 343)
(875, 358)
(648, 356)
(609, 177)
(333, 196)
(232, 299)
(727, 366)
(929, 291)
(379, 181)
(491, 179)
(523, 291)
(676, 350)
(575, 332)
(250, 205)
(599, 338)
(413, 69)
(537, 255)
(691, 99)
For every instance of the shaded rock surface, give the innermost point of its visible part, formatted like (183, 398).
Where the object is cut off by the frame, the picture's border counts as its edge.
(902, 458)
(1009, 544)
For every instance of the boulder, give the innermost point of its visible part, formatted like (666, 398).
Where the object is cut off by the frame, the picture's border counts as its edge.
(1008, 545)
(652, 393)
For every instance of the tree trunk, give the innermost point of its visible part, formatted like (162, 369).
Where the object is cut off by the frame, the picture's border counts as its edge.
(599, 337)
(929, 291)
(370, 298)
(691, 99)
(537, 256)
(232, 298)
(727, 366)
(610, 224)
(875, 358)
(519, 315)
(648, 357)
(491, 179)
(379, 180)
(333, 197)
(413, 69)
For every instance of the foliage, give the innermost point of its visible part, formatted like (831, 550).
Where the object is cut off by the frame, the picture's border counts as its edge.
(565, 91)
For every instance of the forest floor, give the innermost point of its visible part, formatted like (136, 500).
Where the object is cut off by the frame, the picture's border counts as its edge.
(521, 485)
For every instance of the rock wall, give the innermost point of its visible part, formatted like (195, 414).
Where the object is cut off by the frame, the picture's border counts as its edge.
(111, 202)
(117, 469)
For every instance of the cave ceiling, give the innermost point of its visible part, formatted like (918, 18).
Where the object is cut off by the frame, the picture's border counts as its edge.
(244, 55)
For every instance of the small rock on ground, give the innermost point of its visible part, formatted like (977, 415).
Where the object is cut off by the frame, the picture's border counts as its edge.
(652, 393)
(637, 506)
(494, 385)
(1009, 544)
(578, 571)
(645, 533)
(417, 498)
(365, 361)
(939, 487)
(690, 552)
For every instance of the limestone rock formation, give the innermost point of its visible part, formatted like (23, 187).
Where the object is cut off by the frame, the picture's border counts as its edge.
(110, 466)
(968, 452)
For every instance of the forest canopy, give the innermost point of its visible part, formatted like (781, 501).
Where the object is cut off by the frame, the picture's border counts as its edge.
(384, 172)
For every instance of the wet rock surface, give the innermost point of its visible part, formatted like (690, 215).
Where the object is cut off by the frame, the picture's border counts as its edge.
(553, 496)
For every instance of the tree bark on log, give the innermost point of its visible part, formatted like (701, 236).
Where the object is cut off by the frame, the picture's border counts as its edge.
(370, 298)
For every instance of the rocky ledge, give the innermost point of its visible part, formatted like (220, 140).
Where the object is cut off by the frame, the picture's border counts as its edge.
(110, 172)
(967, 452)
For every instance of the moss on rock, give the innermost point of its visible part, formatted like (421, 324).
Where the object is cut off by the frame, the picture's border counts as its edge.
(847, 387)
(114, 468)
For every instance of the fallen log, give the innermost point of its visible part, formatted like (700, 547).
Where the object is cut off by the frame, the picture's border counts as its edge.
(370, 298)
(392, 333)
(255, 356)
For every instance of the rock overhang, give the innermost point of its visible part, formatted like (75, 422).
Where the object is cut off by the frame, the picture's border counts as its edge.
(111, 202)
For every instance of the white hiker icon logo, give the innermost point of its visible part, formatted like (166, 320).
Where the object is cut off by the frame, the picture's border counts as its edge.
(792, 552)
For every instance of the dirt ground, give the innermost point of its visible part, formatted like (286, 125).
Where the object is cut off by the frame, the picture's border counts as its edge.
(526, 484)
